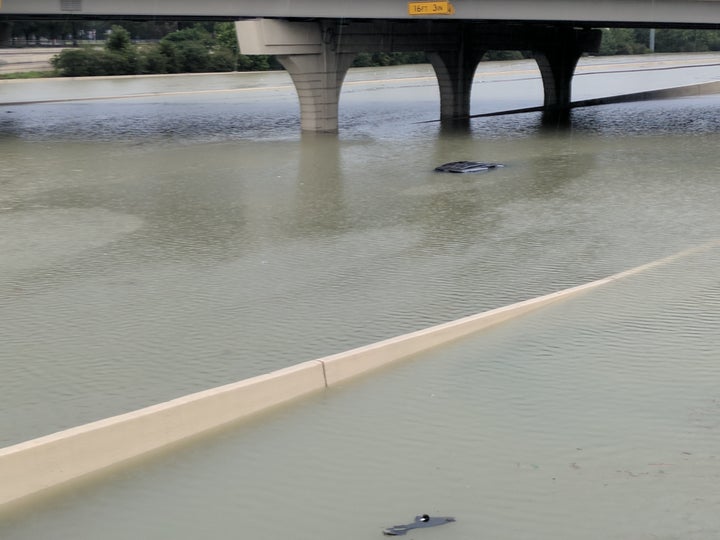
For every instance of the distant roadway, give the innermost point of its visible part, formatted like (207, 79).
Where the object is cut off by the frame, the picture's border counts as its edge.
(18, 60)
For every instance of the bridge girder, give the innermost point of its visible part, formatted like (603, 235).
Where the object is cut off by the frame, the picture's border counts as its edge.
(629, 13)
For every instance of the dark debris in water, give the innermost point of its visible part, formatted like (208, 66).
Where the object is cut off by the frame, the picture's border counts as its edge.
(467, 167)
(420, 522)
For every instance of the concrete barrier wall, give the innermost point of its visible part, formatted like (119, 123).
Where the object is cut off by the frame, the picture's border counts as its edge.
(350, 364)
(30, 467)
(690, 90)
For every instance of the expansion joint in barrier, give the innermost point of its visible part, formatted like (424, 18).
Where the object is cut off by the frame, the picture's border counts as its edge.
(322, 363)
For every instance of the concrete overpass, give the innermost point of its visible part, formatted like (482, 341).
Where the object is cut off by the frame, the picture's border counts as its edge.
(317, 40)
(703, 13)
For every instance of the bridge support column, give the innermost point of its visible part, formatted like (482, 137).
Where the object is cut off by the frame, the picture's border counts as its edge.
(308, 51)
(318, 80)
(557, 57)
(455, 71)
(5, 34)
(318, 54)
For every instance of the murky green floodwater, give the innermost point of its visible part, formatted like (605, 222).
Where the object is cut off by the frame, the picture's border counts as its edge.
(153, 247)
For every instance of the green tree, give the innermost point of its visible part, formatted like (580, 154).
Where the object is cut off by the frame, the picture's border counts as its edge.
(363, 59)
(197, 33)
(152, 60)
(675, 40)
(78, 63)
(621, 41)
(118, 57)
(223, 59)
(188, 50)
(503, 55)
(367, 59)
(226, 37)
(118, 40)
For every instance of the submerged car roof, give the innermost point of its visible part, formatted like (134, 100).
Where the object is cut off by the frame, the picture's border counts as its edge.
(467, 166)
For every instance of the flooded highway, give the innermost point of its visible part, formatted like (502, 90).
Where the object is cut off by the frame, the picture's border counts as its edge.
(163, 235)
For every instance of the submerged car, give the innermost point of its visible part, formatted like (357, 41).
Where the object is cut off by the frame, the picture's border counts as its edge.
(467, 167)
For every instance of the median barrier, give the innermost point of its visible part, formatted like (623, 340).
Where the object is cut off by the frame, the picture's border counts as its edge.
(30, 467)
(343, 366)
(41, 463)
(45, 462)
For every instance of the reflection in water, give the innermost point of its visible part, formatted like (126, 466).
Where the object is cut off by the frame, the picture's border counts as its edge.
(173, 195)
(555, 170)
(320, 207)
(456, 126)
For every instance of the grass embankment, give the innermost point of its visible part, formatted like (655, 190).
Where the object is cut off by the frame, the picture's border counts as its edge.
(27, 75)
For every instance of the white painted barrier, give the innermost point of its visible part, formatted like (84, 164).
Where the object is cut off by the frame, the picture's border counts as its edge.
(352, 363)
(32, 466)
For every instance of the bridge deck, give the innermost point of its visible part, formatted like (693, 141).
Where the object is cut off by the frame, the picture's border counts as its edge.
(657, 13)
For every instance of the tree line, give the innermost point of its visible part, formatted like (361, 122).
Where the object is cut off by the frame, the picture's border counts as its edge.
(637, 41)
(194, 49)
(200, 48)
(102, 48)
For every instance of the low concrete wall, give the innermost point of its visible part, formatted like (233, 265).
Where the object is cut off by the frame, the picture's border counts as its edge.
(30, 467)
(700, 89)
(341, 367)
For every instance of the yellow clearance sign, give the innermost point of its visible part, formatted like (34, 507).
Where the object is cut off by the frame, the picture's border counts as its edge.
(430, 8)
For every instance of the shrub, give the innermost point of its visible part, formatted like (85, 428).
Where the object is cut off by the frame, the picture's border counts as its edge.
(118, 40)
(120, 62)
(253, 63)
(196, 34)
(503, 55)
(191, 56)
(191, 50)
(119, 57)
(226, 37)
(152, 60)
(223, 60)
(79, 62)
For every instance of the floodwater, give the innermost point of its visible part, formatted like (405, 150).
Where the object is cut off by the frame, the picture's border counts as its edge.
(189, 236)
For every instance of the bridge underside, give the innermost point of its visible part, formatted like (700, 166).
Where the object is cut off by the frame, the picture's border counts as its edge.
(596, 13)
(317, 54)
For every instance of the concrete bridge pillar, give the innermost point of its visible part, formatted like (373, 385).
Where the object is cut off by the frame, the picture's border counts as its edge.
(318, 80)
(557, 54)
(308, 51)
(5, 34)
(318, 54)
(455, 71)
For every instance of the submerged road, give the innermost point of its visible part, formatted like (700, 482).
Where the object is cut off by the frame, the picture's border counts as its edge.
(191, 237)
(19, 60)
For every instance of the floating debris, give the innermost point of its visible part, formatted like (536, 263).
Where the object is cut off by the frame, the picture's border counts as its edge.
(421, 521)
